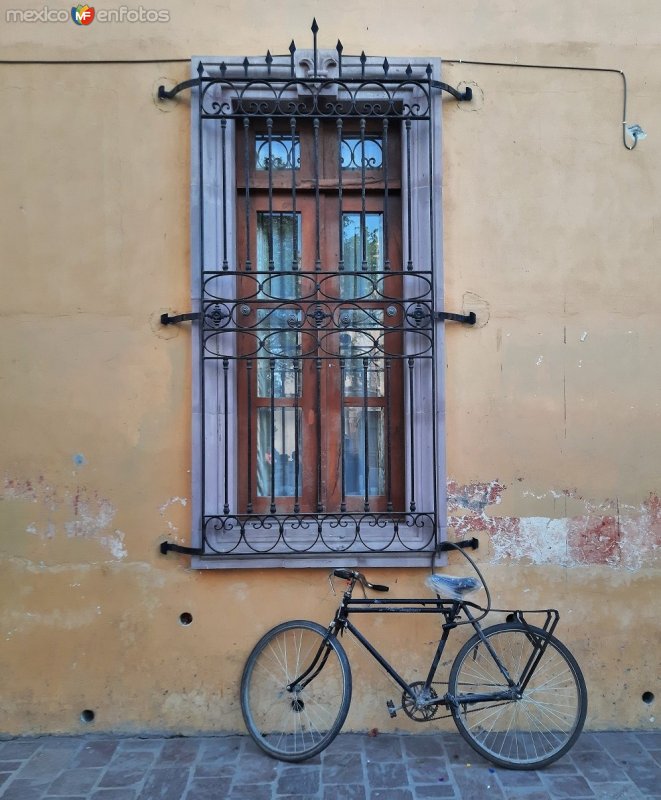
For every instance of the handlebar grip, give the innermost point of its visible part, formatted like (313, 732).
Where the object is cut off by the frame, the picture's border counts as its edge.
(378, 587)
(347, 574)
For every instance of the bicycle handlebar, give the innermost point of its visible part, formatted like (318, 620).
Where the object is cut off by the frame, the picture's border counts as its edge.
(351, 575)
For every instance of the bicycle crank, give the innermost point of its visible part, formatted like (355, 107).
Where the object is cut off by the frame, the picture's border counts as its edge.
(420, 706)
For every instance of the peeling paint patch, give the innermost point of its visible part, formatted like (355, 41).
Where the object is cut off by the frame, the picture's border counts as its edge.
(538, 540)
(77, 512)
(115, 543)
(626, 538)
(474, 496)
(91, 515)
(172, 501)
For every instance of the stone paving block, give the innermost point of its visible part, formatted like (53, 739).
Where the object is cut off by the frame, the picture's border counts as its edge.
(597, 766)
(51, 758)
(625, 744)
(95, 753)
(248, 791)
(254, 766)
(20, 789)
(4, 777)
(342, 768)
(167, 783)
(347, 792)
(476, 784)
(383, 748)
(427, 770)
(459, 752)
(649, 739)
(392, 794)
(75, 781)
(421, 746)
(445, 789)
(221, 746)
(564, 766)
(178, 752)
(297, 780)
(383, 775)
(127, 768)
(646, 776)
(568, 786)
(18, 750)
(618, 791)
(114, 794)
(208, 789)
(516, 778)
(10, 766)
(587, 741)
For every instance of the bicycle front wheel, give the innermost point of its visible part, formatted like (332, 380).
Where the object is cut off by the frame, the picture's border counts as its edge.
(298, 722)
(538, 726)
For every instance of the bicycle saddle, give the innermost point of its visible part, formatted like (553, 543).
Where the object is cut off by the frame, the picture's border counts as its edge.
(452, 588)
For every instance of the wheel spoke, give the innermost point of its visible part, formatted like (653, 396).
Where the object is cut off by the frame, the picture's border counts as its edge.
(531, 730)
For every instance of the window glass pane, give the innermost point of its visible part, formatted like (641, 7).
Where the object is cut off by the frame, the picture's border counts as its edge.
(277, 354)
(361, 341)
(278, 251)
(276, 451)
(353, 155)
(283, 154)
(354, 451)
(361, 254)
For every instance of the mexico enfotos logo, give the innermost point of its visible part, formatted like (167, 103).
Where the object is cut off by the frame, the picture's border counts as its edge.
(85, 15)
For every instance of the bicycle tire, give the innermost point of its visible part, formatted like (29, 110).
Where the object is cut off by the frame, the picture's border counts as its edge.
(539, 727)
(295, 725)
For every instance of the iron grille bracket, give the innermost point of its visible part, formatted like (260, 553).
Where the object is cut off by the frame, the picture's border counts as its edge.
(170, 94)
(467, 319)
(467, 94)
(167, 547)
(166, 319)
(472, 544)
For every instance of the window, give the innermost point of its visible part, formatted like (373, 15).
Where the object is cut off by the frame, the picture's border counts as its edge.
(318, 430)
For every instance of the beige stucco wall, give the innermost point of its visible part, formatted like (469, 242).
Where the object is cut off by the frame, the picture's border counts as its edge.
(551, 234)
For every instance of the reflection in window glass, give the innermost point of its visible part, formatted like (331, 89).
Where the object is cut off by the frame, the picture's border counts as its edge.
(279, 250)
(355, 346)
(276, 460)
(355, 258)
(280, 345)
(352, 153)
(354, 451)
(284, 155)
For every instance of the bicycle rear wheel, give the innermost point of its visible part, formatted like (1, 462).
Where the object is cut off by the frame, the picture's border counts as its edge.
(539, 726)
(297, 723)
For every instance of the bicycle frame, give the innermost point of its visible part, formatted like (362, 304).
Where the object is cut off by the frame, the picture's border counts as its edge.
(451, 611)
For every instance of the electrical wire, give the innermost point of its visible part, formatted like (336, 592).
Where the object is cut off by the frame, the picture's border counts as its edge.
(562, 67)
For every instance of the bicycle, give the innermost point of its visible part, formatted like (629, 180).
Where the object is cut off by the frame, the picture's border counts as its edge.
(515, 692)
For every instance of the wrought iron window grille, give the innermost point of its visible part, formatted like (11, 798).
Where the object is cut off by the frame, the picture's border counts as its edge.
(280, 318)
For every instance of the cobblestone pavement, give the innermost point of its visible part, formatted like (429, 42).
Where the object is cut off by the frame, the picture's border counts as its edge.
(608, 766)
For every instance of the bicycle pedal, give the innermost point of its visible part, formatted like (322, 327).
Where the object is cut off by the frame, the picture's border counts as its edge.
(391, 709)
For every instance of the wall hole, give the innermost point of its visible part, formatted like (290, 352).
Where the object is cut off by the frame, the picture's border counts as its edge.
(648, 697)
(185, 618)
(87, 716)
